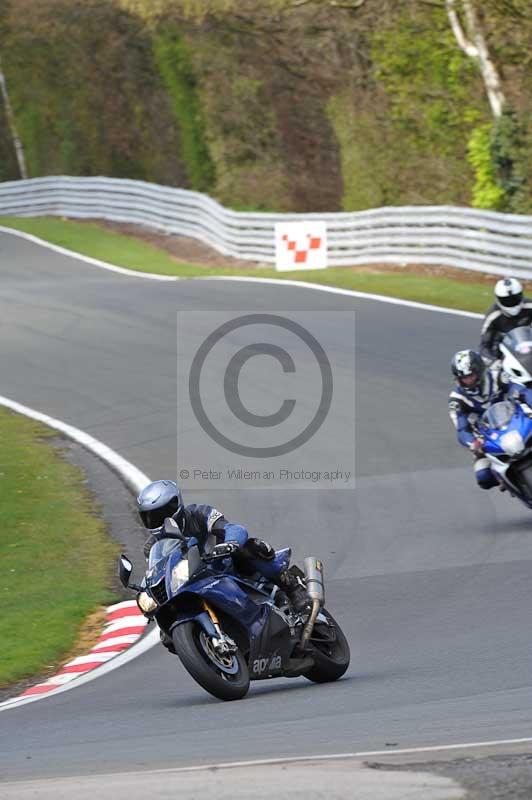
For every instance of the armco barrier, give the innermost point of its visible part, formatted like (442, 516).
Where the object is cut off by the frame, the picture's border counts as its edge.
(452, 236)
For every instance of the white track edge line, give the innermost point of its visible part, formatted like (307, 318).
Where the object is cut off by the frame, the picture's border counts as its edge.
(132, 476)
(265, 762)
(336, 756)
(95, 262)
(379, 298)
(135, 480)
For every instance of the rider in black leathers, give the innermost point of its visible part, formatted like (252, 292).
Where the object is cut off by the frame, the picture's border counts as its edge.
(510, 310)
(216, 535)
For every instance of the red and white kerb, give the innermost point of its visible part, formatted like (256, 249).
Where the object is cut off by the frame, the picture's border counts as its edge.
(124, 625)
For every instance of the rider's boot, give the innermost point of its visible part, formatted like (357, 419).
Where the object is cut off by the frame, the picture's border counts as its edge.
(289, 581)
(258, 548)
(291, 584)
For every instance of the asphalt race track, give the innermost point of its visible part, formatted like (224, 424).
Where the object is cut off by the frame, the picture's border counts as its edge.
(429, 576)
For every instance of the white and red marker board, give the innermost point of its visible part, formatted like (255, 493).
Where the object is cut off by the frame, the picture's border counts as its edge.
(300, 245)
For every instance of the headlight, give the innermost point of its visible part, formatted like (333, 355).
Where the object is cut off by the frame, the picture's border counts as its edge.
(512, 443)
(180, 575)
(146, 603)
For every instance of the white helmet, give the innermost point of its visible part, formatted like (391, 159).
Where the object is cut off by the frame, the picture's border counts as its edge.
(509, 296)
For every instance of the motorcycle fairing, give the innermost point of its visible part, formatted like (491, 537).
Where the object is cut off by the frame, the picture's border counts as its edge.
(242, 599)
(500, 419)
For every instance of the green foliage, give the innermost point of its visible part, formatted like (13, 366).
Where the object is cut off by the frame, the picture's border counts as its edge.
(241, 126)
(153, 10)
(428, 79)
(282, 105)
(8, 163)
(174, 63)
(86, 93)
(367, 155)
(507, 150)
(522, 199)
(432, 99)
(486, 191)
(402, 136)
(498, 153)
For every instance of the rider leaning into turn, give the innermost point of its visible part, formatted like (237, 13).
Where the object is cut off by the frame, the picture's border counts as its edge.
(162, 499)
(477, 387)
(510, 310)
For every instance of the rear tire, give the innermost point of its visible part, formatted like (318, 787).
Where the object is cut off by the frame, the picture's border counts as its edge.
(226, 679)
(330, 652)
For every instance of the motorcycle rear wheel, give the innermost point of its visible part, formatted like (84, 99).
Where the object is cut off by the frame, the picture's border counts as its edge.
(331, 651)
(227, 678)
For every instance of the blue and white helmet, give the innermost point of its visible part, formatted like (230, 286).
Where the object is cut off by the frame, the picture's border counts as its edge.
(468, 368)
(509, 296)
(157, 501)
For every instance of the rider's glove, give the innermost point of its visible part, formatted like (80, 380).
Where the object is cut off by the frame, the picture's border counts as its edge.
(477, 447)
(224, 549)
(526, 408)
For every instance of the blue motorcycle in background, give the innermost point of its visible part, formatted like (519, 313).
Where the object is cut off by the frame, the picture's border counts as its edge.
(506, 427)
(229, 629)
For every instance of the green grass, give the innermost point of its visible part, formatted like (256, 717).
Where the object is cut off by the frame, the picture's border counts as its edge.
(125, 251)
(56, 557)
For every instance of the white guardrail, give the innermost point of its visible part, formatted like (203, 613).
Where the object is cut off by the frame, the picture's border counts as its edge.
(452, 236)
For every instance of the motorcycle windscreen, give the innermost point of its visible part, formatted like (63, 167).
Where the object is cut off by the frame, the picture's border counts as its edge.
(499, 415)
(519, 343)
(162, 550)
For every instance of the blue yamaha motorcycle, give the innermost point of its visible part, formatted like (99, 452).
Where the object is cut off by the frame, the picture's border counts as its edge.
(230, 629)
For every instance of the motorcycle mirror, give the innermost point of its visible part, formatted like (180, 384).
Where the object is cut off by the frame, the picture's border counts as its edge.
(171, 528)
(125, 568)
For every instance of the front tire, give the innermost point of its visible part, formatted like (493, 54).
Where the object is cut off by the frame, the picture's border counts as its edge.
(227, 678)
(331, 651)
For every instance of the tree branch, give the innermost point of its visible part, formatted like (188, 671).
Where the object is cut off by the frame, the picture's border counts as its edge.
(474, 44)
(17, 144)
(463, 42)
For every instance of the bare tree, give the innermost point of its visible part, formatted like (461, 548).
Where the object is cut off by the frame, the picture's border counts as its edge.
(17, 143)
(467, 29)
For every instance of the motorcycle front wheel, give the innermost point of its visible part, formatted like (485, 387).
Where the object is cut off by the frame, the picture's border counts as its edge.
(226, 676)
(331, 651)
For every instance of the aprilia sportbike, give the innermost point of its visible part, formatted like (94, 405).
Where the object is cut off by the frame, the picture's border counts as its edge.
(228, 629)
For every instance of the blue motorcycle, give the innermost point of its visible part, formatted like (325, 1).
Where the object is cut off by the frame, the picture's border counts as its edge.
(229, 629)
(506, 430)
(506, 427)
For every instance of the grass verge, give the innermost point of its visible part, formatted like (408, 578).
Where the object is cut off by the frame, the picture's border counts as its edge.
(55, 554)
(127, 251)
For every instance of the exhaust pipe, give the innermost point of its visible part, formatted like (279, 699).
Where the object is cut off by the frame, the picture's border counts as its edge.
(316, 592)
(314, 576)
